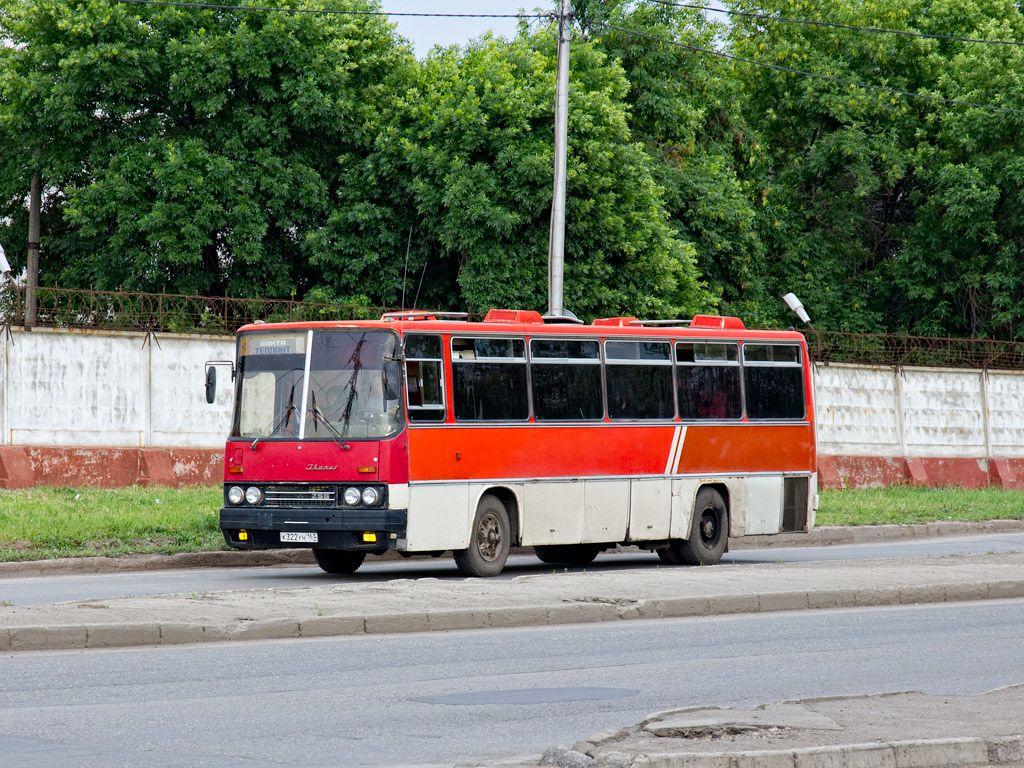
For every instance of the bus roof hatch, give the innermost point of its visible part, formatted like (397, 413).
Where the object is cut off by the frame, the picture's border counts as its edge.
(712, 321)
(512, 316)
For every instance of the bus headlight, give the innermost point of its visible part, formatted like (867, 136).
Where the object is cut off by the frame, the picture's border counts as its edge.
(370, 496)
(235, 494)
(352, 496)
(253, 495)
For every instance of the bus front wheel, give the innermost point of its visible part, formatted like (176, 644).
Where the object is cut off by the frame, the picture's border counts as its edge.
(488, 540)
(338, 561)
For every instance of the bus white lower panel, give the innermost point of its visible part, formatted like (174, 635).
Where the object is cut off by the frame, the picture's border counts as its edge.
(683, 494)
(553, 512)
(439, 517)
(650, 507)
(606, 514)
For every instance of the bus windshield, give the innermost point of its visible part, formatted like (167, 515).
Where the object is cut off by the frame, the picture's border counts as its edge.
(316, 384)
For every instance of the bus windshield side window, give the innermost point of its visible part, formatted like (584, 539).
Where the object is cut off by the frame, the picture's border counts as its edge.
(639, 378)
(424, 364)
(566, 379)
(708, 380)
(489, 379)
(774, 381)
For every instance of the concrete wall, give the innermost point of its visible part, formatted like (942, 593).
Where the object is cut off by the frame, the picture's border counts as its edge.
(110, 409)
(937, 426)
(105, 408)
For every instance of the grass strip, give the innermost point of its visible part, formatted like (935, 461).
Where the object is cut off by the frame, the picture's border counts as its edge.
(904, 504)
(45, 523)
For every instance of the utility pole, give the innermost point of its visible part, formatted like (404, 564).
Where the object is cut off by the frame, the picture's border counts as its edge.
(556, 244)
(32, 276)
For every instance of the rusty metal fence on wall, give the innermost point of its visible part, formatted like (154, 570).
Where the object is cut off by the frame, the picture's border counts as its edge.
(166, 313)
(174, 313)
(919, 351)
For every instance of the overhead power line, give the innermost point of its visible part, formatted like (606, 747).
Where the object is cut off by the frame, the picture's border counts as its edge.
(770, 17)
(791, 70)
(337, 12)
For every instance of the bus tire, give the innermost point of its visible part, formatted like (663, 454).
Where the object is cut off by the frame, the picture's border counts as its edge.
(488, 540)
(338, 561)
(567, 554)
(670, 555)
(709, 530)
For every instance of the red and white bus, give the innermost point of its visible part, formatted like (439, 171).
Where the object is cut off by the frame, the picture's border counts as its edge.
(425, 433)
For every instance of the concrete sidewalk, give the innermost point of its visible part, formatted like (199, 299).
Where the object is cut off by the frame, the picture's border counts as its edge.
(901, 730)
(556, 598)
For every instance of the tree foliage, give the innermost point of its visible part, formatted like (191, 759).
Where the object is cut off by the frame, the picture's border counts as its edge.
(275, 154)
(890, 212)
(186, 149)
(457, 192)
(685, 108)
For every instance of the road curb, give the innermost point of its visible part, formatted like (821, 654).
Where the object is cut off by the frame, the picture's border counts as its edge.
(99, 634)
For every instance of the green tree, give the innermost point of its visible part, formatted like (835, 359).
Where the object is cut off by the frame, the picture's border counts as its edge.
(685, 108)
(457, 193)
(889, 212)
(186, 149)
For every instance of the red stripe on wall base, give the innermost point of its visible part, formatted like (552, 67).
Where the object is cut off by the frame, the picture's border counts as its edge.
(108, 467)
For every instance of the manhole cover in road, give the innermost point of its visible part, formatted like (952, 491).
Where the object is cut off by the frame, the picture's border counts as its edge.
(528, 696)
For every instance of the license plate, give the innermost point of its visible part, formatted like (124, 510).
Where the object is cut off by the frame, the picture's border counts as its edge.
(299, 537)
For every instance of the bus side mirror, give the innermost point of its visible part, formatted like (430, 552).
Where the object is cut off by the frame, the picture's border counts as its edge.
(211, 384)
(392, 380)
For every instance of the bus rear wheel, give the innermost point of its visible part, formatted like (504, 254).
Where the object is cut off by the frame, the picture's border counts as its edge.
(709, 530)
(488, 540)
(338, 561)
(567, 554)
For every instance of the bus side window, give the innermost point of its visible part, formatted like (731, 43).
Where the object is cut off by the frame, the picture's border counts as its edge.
(774, 381)
(708, 380)
(489, 379)
(566, 379)
(424, 379)
(639, 379)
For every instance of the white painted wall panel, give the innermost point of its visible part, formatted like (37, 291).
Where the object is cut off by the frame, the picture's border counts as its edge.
(87, 388)
(942, 413)
(75, 389)
(180, 415)
(1006, 413)
(856, 411)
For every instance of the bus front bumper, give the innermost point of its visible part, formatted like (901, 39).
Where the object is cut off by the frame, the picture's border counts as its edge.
(369, 530)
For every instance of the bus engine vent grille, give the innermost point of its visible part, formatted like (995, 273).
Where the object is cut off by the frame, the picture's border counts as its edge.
(300, 496)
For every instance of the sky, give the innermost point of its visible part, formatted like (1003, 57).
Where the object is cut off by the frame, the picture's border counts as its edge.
(425, 33)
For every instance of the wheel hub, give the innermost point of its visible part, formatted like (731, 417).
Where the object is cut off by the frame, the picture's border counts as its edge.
(489, 538)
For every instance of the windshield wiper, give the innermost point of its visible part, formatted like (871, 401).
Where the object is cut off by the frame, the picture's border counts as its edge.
(318, 416)
(280, 420)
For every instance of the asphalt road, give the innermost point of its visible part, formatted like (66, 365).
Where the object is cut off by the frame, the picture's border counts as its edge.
(55, 589)
(459, 697)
